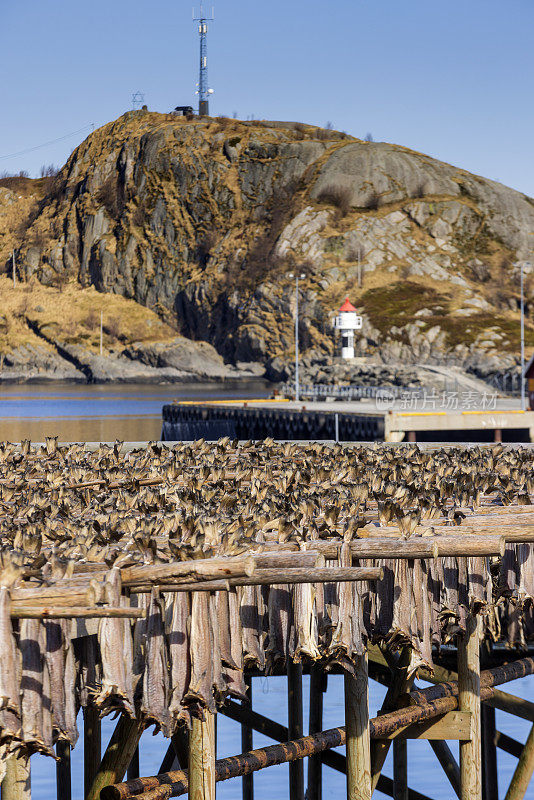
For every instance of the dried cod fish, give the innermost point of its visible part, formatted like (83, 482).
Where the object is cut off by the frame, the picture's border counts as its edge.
(234, 675)
(10, 711)
(305, 621)
(115, 693)
(34, 723)
(178, 639)
(200, 691)
(155, 703)
(57, 653)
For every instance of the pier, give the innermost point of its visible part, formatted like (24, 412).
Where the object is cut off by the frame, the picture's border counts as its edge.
(158, 583)
(342, 421)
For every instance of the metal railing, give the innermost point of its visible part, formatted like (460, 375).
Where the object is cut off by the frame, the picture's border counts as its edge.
(322, 391)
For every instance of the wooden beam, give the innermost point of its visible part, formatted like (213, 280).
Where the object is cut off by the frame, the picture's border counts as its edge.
(180, 742)
(450, 767)
(247, 743)
(469, 701)
(63, 773)
(490, 783)
(357, 731)
(508, 745)
(503, 701)
(133, 766)
(169, 761)
(456, 725)
(118, 755)
(92, 746)
(523, 771)
(16, 784)
(398, 686)
(318, 680)
(400, 769)
(295, 727)
(202, 758)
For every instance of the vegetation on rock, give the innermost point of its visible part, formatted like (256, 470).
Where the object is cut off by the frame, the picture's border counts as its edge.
(201, 221)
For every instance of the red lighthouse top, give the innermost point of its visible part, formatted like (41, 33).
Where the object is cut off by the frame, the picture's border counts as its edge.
(347, 306)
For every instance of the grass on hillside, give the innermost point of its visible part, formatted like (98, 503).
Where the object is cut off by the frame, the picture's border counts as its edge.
(72, 315)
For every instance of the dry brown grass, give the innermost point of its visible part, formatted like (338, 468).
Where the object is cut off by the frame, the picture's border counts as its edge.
(73, 316)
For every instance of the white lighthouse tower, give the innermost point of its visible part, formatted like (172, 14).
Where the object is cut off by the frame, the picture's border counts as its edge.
(347, 321)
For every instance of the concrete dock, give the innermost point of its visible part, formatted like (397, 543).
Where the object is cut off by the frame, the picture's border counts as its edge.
(379, 419)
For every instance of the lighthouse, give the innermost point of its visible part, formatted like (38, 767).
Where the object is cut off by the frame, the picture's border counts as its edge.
(347, 321)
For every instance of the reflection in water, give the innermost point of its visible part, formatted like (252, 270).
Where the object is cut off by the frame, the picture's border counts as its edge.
(103, 413)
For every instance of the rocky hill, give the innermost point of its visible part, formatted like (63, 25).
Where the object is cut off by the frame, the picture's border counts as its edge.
(202, 221)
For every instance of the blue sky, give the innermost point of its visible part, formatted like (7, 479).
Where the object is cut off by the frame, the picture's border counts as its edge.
(452, 79)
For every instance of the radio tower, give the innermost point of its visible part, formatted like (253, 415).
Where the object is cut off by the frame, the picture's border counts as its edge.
(203, 90)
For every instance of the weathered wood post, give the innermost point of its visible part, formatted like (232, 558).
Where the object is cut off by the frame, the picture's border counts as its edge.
(317, 689)
(202, 758)
(17, 781)
(92, 746)
(523, 771)
(469, 700)
(357, 731)
(63, 773)
(133, 766)
(295, 727)
(400, 683)
(400, 769)
(118, 755)
(246, 746)
(490, 788)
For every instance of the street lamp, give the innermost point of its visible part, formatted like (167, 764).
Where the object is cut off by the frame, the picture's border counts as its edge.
(523, 264)
(297, 278)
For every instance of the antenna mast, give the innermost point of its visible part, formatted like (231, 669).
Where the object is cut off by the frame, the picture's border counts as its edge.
(203, 90)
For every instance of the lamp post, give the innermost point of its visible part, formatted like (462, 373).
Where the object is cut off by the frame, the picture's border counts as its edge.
(297, 278)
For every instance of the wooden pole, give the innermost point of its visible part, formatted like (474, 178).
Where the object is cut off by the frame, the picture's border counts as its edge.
(118, 755)
(448, 763)
(523, 771)
(357, 732)
(92, 746)
(63, 773)
(317, 688)
(17, 780)
(177, 751)
(295, 727)
(490, 787)
(279, 733)
(246, 745)
(180, 742)
(169, 761)
(399, 685)
(400, 769)
(133, 766)
(469, 700)
(202, 758)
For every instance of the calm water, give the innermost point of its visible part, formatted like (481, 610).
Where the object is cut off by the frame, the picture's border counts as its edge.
(133, 413)
(103, 413)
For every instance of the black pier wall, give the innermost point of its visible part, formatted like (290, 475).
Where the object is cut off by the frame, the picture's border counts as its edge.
(187, 422)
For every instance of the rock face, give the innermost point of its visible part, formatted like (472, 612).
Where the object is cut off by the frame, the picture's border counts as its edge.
(203, 220)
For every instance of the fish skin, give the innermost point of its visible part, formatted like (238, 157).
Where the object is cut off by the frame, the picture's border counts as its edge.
(35, 720)
(200, 692)
(155, 703)
(115, 692)
(305, 621)
(178, 639)
(10, 675)
(234, 676)
(251, 622)
(280, 610)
